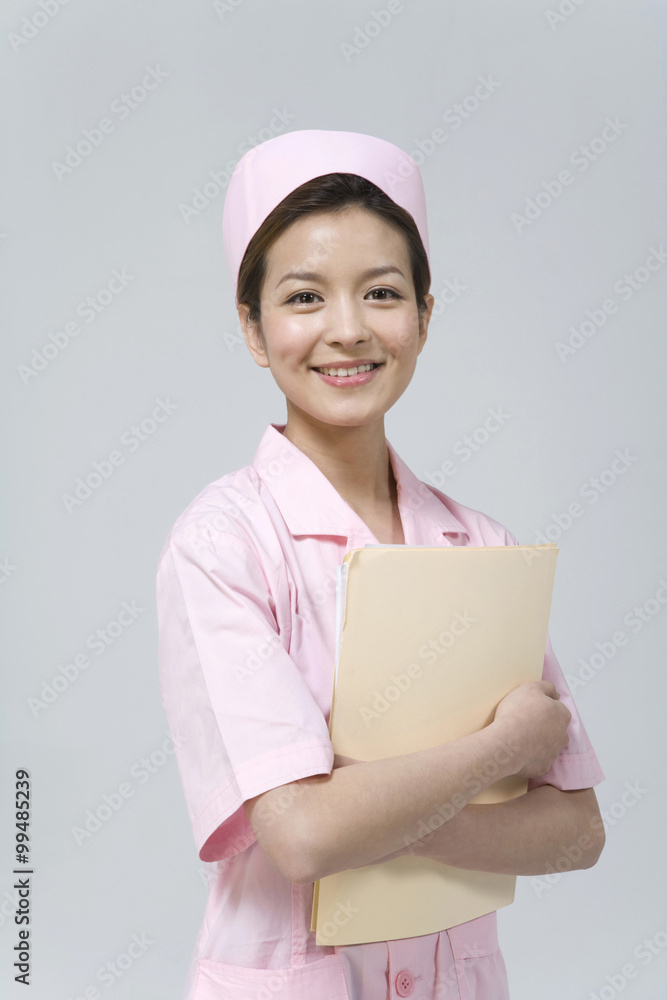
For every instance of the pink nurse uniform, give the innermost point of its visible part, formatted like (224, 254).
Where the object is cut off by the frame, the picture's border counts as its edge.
(246, 591)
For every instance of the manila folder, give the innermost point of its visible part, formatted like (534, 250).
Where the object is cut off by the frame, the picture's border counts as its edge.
(431, 639)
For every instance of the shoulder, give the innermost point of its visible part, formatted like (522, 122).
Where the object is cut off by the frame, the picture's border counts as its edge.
(230, 511)
(481, 528)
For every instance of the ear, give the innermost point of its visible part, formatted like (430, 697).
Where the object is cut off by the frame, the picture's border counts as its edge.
(252, 335)
(424, 320)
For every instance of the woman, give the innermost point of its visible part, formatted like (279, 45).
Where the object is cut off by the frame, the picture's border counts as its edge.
(327, 244)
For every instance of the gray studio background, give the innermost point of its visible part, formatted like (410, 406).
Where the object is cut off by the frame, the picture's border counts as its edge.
(164, 336)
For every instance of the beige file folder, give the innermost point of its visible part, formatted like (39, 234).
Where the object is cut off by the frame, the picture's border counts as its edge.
(430, 639)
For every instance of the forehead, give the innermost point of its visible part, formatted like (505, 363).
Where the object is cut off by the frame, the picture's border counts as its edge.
(354, 232)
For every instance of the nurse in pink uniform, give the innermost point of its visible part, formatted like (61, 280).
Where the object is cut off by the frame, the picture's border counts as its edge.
(326, 239)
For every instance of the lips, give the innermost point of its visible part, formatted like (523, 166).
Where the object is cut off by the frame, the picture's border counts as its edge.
(346, 367)
(350, 381)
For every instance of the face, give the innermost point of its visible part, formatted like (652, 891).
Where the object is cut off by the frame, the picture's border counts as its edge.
(322, 308)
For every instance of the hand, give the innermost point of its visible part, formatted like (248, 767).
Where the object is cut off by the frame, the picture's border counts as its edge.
(536, 724)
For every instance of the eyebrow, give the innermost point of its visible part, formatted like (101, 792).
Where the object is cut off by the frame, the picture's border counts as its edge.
(372, 272)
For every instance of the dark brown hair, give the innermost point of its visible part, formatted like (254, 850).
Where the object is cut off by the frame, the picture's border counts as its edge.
(328, 193)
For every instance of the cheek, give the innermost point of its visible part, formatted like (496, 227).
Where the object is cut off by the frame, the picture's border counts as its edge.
(405, 335)
(286, 341)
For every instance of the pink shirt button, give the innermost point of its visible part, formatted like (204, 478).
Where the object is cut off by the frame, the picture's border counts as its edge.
(405, 984)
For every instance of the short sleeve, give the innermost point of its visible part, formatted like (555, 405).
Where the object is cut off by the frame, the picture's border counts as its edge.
(240, 713)
(577, 765)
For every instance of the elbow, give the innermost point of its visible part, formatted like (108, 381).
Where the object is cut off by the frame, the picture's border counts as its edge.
(286, 833)
(304, 853)
(599, 839)
(299, 877)
(296, 866)
(592, 837)
(291, 857)
(304, 865)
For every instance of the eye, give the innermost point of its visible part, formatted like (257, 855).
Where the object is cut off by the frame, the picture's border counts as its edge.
(298, 295)
(389, 291)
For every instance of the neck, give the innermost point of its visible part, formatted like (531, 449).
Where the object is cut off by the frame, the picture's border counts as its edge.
(355, 460)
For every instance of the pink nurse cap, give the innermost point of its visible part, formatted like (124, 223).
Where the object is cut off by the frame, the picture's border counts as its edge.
(267, 173)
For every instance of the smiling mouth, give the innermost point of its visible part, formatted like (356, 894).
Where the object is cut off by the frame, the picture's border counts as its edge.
(340, 372)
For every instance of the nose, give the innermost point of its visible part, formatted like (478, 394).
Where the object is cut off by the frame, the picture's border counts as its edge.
(346, 324)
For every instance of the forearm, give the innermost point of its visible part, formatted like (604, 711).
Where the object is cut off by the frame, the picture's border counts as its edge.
(545, 830)
(372, 809)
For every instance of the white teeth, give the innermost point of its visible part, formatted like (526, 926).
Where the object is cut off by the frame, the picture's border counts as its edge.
(344, 371)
